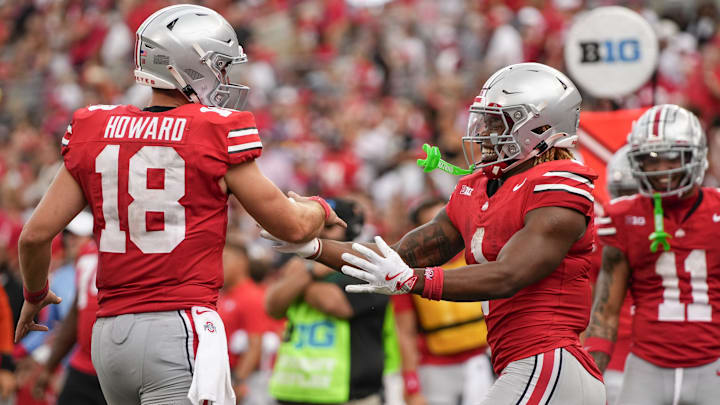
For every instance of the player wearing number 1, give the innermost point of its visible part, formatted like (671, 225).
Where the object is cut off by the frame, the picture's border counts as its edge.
(676, 289)
(525, 221)
(157, 182)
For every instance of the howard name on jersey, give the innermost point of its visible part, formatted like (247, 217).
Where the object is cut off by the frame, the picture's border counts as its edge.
(551, 313)
(676, 293)
(152, 181)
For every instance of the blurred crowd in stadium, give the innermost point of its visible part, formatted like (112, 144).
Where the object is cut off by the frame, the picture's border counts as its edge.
(344, 92)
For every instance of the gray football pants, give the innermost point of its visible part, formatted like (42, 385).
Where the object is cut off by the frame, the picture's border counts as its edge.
(552, 378)
(647, 384)
(464, 383)
(144, 359)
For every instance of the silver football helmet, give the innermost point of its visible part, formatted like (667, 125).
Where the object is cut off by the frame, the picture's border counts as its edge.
(620, 180)
(521, 111)
(670, 133)
(192, 49)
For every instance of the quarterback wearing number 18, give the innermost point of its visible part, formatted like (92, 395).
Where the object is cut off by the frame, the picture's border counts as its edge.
(157, 181)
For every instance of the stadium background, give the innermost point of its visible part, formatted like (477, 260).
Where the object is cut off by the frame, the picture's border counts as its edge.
(345, 92)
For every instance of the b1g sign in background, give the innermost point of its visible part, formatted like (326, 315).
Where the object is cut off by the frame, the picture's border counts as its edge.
(611, 51)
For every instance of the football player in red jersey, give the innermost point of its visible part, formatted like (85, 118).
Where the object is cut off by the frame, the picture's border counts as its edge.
(675, 287)
(157, 182)
(526, 223)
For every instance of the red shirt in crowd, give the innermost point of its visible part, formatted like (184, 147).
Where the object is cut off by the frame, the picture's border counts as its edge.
(85, 272)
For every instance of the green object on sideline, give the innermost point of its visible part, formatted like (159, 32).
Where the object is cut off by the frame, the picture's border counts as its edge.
(659, 237)
(393, 358)
(433, 161)
(313, 362)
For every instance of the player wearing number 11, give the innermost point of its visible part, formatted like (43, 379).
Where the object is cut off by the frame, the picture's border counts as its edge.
(676, 290)
(157, 182)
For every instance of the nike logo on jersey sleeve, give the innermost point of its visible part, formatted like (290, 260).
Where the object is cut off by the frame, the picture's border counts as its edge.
(519, 185)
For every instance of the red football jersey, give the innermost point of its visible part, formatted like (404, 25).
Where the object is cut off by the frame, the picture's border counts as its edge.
(676, 293)
(551, 313)
(85, 273)
(242, 311)
(152, 181)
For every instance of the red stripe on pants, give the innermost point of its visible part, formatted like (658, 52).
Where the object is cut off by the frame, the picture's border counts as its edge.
(195, 335)
(544, 379)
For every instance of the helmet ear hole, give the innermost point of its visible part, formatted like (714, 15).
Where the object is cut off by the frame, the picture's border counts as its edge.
(541, 129)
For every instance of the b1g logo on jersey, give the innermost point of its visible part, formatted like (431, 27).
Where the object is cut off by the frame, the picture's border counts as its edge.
(634, 220)
(610, 51)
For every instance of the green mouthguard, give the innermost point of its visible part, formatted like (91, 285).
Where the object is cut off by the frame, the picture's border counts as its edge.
(659, 237)
(433, 161)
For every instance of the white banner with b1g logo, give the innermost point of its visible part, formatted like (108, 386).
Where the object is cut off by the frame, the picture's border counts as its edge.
(611, 51)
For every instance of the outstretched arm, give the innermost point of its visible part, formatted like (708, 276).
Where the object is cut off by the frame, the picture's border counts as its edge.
(432, 244)
(610, 293)
(529, 256)
(293, 222)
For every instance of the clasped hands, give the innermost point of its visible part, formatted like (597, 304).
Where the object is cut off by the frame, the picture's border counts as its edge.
(385, 273)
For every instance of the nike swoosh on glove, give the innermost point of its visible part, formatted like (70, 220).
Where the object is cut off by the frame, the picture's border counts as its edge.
(387, 275)
(306, 250)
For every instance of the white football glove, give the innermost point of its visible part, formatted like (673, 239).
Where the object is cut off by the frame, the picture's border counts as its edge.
(387, 275)
(305, 250)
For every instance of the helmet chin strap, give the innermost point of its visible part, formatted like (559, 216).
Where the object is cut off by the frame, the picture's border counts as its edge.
(186, 89)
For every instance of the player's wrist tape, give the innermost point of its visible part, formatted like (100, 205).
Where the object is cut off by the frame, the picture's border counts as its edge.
(34, 297)
(434, 278)
(318, 250)
(324, 204)
(412, 382)
(598, 344)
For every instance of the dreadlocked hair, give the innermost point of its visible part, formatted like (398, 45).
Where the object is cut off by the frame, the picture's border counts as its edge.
(553, 154)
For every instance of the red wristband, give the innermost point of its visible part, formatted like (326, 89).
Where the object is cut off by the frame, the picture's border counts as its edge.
(37, 296)
(598, 344)
(325, 205)
(412, 382)
(434, 278)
